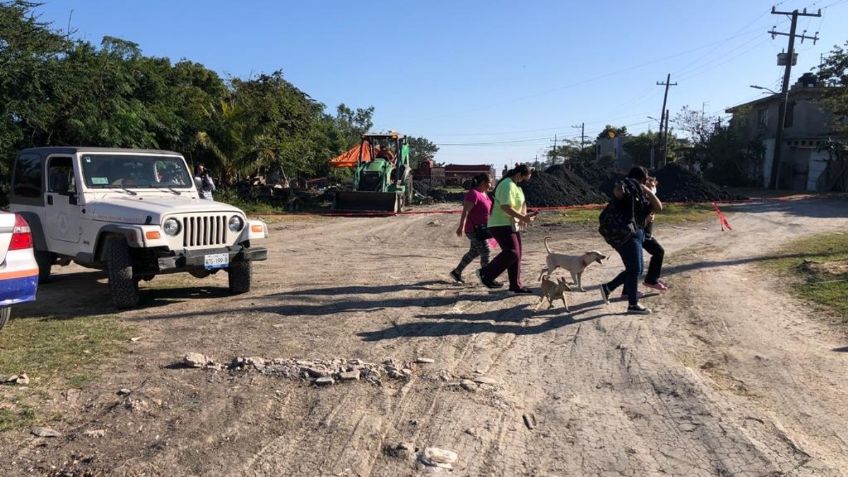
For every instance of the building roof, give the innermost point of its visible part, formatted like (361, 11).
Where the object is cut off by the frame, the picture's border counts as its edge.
(793, 93)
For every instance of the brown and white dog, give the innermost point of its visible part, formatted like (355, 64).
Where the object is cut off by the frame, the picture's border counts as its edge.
(575, 264)
(553, 290)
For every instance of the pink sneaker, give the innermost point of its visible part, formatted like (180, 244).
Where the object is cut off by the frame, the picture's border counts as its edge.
(659, 286)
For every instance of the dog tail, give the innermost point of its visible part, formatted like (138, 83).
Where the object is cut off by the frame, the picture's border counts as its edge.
(546, 245)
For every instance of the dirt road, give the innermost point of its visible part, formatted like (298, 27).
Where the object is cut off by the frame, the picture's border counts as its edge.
(729, 376)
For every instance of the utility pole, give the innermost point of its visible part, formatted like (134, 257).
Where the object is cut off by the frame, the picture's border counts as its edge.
(553, 152)
(784, 92)
(582, 134)
(665, 139)
(667, 83)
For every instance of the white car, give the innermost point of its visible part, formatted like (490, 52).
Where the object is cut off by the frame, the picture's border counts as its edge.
(133, 213)
(18, 268)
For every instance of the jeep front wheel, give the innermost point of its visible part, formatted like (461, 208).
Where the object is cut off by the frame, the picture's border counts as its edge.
(239, 276)
(122, 287)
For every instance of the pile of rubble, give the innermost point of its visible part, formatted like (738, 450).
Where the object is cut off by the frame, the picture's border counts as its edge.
(321, 372)
(558, 186)
(425, 193)
(676, 184)
(599, 174)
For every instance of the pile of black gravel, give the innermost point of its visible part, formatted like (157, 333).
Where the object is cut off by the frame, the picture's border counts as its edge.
(559, 186)
(676, 184)
(600, 176)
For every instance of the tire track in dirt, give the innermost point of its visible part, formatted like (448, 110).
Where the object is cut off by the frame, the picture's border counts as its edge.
(728, 377)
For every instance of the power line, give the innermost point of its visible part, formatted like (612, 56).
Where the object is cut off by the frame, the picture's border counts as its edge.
(546, 138)
(743, 32)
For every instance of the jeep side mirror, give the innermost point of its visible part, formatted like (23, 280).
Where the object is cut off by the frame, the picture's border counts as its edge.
(72, 199)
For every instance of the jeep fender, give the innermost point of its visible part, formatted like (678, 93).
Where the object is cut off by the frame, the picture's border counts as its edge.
(137, 236)
(37, 230)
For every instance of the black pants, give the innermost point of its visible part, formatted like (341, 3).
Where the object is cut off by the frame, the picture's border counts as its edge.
(657, 253)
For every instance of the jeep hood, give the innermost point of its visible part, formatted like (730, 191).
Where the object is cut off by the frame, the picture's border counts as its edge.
(137, 209)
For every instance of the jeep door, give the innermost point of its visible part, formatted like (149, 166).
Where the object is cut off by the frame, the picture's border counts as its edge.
(61, 203)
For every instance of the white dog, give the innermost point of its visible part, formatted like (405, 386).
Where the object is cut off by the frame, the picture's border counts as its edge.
(575, 264)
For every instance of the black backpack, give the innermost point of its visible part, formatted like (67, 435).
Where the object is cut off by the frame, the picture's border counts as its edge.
(615, 226)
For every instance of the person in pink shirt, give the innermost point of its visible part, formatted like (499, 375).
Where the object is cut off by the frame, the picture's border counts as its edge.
(476, 208)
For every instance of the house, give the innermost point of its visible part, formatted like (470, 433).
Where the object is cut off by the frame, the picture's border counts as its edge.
(807, 128)
(428, 172)
(457, 174)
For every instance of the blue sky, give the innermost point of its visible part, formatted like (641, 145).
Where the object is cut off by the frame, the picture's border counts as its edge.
(490, 81)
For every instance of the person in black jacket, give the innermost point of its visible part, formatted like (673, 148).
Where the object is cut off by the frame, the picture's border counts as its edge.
(635, 201)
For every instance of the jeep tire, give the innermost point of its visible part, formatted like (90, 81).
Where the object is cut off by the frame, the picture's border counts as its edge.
(45, 260)
(122, 287)
(239, 276)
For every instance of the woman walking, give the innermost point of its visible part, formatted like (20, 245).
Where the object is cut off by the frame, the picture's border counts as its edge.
(633, 200)
(653, 247)
(476, 208)
(509, 217)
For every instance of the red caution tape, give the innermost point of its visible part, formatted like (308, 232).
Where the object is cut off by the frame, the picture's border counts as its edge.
(722, 220)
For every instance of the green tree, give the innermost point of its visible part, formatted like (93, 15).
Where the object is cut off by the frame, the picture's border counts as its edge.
(29, 57)
(421, 149)
(640, 148)
(352, 124)
(616, 132)
(55, 91)
(833, 73)
(727, 159)
(697, 125)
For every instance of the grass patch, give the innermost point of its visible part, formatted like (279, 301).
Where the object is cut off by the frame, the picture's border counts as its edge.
(16, 416)
(50, 349)
(671, 214)
(817, 270)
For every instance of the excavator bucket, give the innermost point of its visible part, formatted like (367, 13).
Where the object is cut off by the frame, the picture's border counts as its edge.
(363, 201)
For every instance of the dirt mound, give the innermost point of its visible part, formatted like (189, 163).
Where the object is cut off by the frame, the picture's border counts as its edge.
(601, 176)
(676, 184)
(559, 186)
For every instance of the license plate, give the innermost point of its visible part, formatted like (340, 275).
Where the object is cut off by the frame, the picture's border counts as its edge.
(216, 260)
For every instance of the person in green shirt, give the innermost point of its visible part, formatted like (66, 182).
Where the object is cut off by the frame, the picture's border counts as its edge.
(509, 217)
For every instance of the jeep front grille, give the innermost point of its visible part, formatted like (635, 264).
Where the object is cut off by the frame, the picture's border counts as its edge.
(205, 230)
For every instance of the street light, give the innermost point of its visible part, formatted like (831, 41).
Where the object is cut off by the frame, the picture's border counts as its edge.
(764, 89)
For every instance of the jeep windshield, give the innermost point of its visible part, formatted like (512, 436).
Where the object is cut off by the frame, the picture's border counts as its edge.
(125, 171)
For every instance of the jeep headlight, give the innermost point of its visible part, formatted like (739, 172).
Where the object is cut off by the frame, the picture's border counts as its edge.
(171, 227)
(236, 223)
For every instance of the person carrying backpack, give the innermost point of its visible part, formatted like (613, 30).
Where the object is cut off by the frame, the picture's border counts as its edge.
(622, 224)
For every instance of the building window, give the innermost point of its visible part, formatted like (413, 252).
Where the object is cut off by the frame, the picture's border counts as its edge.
(790, 114)
(762, 118)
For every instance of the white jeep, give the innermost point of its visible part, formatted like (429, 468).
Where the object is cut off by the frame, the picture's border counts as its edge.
(134, 213)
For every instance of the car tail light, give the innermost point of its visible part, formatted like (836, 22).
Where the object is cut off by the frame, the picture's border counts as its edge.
(21, 234)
